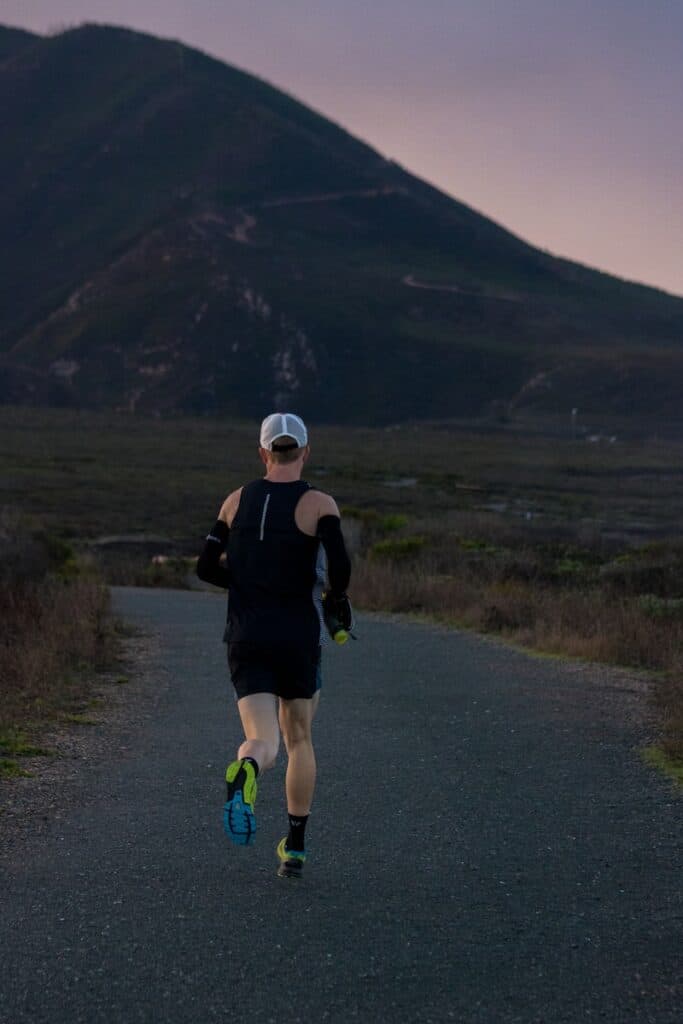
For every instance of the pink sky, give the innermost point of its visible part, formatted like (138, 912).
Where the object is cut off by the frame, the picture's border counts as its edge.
(561, 122)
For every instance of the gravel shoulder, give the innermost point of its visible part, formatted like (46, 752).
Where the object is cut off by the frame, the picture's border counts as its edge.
(30, 805)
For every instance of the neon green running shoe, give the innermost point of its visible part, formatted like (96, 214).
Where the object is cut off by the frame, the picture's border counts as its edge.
(239, 820)
(291, 861)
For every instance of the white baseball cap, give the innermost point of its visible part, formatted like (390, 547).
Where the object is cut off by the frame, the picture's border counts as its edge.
(283, 424)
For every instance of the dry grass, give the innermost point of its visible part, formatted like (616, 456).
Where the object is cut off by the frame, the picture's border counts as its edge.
(520, 599)
(55, 629)
(54, 633)
(580, 623)
(669, 697)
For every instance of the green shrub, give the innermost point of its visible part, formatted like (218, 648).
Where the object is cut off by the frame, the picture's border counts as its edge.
(661, 607)
(399, 549)
(634, 576)
(64, 562)
(371, 517)
(16, 743)
(28, 553)
(9, 769)
(391, 523)
(363, 515)
(59, 551)
(476, 544)
(574, 570)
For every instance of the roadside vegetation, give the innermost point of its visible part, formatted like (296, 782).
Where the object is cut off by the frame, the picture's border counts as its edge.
(540, 589)
(562, 536)
(56, 632)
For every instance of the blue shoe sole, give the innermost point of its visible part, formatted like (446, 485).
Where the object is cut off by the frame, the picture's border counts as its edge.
(239, 821)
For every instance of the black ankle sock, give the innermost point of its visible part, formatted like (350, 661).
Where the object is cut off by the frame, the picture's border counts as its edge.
(252, 762)
(297, 831)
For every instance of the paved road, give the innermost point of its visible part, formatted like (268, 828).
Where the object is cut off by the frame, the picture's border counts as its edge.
(486, 847)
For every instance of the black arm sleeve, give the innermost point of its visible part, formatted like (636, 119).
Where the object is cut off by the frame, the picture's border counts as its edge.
(209, 567)
(338, 561)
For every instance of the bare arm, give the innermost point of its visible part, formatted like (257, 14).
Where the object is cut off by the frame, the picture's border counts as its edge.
(229, 507)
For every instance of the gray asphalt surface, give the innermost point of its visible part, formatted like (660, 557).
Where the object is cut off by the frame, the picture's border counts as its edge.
(485, 847)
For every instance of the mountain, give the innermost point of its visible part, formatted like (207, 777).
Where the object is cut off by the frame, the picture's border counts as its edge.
(12, 40)
(179, 236)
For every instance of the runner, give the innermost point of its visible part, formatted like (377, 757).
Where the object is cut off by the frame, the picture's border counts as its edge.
(284, 544)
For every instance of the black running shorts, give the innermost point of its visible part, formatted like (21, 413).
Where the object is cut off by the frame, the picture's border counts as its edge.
(290, 674)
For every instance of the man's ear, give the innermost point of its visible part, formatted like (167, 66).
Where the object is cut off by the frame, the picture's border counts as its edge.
(263, 456)
(307, 452)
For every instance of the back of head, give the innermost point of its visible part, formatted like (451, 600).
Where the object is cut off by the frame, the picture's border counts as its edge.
(283, 436)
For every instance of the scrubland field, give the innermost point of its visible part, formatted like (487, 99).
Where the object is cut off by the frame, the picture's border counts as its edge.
(564, 538)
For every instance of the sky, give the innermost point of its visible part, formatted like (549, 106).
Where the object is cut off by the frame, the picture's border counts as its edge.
(560, 119)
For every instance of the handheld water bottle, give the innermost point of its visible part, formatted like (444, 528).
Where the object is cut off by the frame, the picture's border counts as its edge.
(339, 630)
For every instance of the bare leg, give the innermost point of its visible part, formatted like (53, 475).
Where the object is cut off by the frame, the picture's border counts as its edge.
(296, 719)
(258, 713)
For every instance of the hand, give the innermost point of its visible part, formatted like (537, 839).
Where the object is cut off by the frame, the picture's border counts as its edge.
(338, 607)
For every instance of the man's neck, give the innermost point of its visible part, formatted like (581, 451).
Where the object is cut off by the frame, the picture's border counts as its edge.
(286, 473)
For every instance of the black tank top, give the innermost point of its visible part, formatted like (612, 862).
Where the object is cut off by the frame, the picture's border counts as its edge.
(277, 572)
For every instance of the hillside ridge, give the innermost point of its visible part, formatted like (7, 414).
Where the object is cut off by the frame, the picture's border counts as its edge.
(182, 237)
